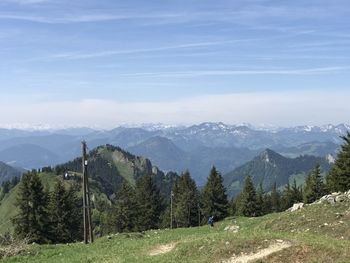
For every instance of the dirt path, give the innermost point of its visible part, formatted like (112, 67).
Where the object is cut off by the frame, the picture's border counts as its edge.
(162, 249)
(259, 255)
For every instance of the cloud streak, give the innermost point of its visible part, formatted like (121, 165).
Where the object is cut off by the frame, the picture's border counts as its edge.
(200, 73)
(108, 53)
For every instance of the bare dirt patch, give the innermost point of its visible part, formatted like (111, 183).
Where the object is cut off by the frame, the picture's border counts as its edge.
(273, 248)
(162, 249)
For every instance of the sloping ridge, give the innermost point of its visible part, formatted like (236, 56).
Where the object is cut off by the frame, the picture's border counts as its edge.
(269, 167)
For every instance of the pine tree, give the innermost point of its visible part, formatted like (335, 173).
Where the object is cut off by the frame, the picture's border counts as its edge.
(297, 195)
(32, 221)
(247, 205)
(123, 217)
(185, 201)
(65, 215)
(232, 206)
(214, 199)
(260, 207)
(339, 176)
(287, 197)
(314, 186)
(149, 202)
(275, 199)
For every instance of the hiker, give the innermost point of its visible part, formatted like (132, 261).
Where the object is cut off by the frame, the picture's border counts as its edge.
(211, 221)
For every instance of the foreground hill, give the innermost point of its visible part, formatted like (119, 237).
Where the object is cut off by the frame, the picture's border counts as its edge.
(300, 236)
(269, 167)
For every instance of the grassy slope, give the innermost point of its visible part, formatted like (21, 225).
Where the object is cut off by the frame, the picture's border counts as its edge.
(8, 208)
(124, 169)
(312, 239)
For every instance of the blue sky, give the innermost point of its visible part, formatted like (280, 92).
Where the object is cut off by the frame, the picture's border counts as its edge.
(132, 59)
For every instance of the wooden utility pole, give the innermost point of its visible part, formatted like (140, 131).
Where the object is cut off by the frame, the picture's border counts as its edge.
(199, 215)
(171, 209)
(86, 200)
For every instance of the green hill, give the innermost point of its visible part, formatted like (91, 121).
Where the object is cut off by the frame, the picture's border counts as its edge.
(108, 166)
(269, 167)
(300, 236)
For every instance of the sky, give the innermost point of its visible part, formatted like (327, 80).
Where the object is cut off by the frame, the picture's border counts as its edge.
(102, 63)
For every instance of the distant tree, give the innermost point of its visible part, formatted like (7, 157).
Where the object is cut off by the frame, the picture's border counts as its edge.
(32, 220)
(232, 206)
(260, 206)
(14, 181)
(214, 199)
(123, 216)
(149, 202)
(275, 199)
(64, 215)
(297, 195)
(6, 186)
(314, 186)
(287, 197)
(339, 177)
(247, 205)
(185, 201)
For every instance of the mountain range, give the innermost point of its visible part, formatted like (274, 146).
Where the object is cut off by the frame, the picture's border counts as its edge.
(172, 148)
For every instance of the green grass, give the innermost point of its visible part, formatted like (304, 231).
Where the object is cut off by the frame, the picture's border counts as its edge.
(312, 241)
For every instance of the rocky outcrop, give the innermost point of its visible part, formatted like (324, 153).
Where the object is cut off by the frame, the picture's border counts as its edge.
(296, 207)
(336, 197)
(332, 198)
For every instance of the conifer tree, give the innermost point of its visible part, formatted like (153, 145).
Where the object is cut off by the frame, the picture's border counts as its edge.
(123, 217)
(297, 195)
(65, 215)
(260, 206)
(247, 205)
(232, 206)
(149, 202)
(214, 199)
(314, 186)
(287, 197)
(32, 220)
(275, 199)
(339, 177)
(185, 201)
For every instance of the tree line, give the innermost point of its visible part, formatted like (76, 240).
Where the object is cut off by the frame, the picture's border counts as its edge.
(55, 216)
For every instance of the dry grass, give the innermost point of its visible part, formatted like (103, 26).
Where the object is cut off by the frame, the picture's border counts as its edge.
(11, 247)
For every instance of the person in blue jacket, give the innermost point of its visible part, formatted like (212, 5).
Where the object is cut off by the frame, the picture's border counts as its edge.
(211, 221)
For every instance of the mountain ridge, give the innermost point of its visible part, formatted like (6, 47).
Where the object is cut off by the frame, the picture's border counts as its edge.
(269, 167)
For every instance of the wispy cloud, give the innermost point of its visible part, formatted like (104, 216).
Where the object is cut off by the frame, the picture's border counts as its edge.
(107, 53)
(200, 73)
(83, 18)
(27, 2)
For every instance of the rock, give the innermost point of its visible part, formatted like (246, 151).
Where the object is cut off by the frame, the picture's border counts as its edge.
(296, 207)
(340, 198)
(233, 228)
